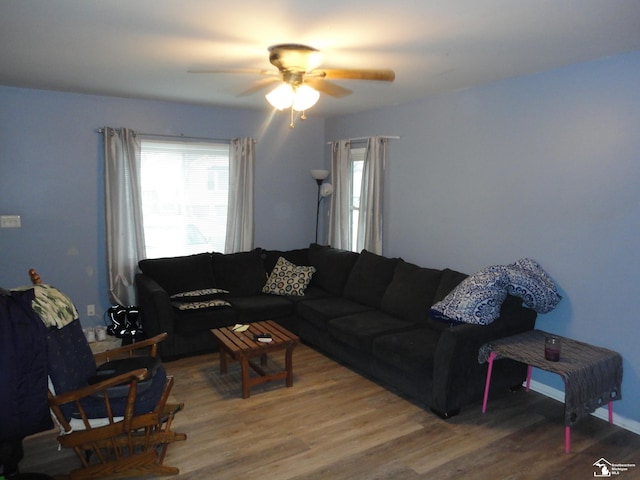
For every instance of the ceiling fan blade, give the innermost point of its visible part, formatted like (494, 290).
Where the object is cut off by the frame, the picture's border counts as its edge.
(327, 87)
(381, 74)
(259, 85)
(240, 71)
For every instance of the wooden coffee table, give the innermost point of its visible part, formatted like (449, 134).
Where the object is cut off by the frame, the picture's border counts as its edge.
(242, 346)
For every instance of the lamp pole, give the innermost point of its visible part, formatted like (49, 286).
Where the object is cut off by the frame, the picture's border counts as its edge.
(319, 176)
(319, 182)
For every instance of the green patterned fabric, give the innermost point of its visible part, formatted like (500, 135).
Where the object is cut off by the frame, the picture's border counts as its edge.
(52, 306)
(288, 279)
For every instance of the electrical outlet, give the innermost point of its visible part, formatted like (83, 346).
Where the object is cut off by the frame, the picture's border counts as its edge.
(91, 310)
(10, 221)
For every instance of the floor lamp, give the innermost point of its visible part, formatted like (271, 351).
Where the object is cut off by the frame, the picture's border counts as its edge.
(324, 190)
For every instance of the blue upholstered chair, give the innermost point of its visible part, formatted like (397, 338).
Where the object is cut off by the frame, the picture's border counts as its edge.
(111, 407)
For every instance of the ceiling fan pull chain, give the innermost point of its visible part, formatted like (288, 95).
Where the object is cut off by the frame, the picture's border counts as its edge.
(291, 124)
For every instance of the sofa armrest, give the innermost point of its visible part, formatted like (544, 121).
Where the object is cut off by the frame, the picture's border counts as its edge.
(457, 375)
(157, 313)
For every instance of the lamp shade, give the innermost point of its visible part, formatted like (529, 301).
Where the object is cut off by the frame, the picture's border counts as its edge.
(281, 97)
(326, 189)
(305, 97)
(319, 174)
(299, 97)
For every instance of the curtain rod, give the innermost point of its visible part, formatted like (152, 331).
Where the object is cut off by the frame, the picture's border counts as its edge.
(361, 139)
(185, 137)
(223, 140)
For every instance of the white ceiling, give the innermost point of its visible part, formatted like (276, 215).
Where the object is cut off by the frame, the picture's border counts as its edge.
(144, 48)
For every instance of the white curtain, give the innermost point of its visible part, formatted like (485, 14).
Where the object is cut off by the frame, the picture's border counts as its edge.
(240, 225)
(123, 209)
(339, 212)
(371, 196)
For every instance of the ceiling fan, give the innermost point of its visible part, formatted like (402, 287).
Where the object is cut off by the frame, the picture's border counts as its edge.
(299, 78)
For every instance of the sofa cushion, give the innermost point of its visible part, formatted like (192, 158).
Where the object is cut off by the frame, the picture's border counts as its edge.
(369, 278)
(359, 330)
(311, 293)
(411, 291)
(287, 278)
(241, 273)
(297, 257)
(410, 351)
(450, 279)
(261, 307)
(180, 274)
(201, 321)
(319, 311)
(332, 267)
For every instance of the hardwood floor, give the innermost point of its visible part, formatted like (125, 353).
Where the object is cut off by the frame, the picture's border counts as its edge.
(335, 424)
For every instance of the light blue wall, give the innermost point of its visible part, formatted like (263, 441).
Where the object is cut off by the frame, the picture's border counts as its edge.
(545, 166)
(51, 175)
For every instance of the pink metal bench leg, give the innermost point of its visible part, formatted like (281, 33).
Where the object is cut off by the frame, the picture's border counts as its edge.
(567, 430)
(492, 357)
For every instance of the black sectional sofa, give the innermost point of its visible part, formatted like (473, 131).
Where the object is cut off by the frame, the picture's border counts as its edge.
(367, 311)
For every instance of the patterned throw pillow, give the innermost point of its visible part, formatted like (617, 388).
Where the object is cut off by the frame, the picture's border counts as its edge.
(530, 282)
(288, 278)
(198, 293)
(218, 302)
(476, 300)
(200, 299)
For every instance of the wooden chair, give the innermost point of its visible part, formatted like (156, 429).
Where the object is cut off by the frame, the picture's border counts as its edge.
(131, 435)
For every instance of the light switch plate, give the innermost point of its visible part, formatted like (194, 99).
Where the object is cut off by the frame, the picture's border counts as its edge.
(10, 221)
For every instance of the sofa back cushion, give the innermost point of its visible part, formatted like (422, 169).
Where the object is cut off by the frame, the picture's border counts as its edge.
(333, 267)
(180, 274)
(369, 278)
(450, 279)
(299, 257)
(242, 274)
(411, 291)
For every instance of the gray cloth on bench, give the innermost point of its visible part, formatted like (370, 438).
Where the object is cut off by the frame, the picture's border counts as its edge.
(592, 375)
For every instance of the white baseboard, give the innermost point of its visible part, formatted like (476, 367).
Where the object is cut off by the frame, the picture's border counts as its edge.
(603, 412)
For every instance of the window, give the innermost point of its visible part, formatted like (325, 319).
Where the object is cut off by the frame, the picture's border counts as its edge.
(185, 187)
(356, 164)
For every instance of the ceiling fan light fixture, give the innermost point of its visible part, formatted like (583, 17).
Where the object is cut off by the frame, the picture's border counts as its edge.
(300, 98)
(281, 97)
(305, 97)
